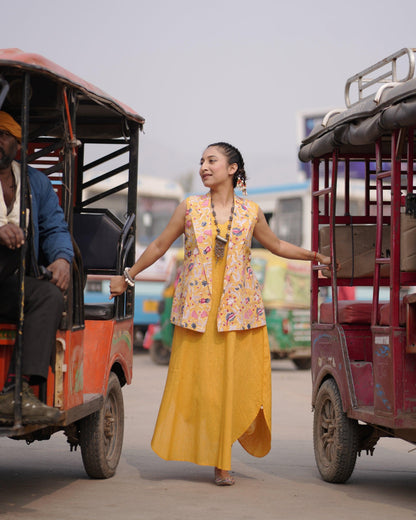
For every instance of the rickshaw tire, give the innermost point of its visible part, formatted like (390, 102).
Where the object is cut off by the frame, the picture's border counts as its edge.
(101, 434)
(335, 436)
(159, 353)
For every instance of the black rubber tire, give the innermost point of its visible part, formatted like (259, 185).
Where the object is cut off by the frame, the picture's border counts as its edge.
(335, 436)
(303, 363)
(159, 353)
(101, 434)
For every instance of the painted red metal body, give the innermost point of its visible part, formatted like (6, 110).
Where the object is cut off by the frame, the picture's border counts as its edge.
(88, 357)
(374, 363)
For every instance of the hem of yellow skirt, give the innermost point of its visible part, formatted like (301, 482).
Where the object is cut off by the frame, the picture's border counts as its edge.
(179, 459)
(244, 437)
(241, 438)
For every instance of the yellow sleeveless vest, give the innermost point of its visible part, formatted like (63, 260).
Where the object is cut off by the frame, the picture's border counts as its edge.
(241, 306)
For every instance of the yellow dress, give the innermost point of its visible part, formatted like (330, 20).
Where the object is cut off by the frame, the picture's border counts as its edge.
(218, 390)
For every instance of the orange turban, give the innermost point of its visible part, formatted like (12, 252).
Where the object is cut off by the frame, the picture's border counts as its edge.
(9, 124)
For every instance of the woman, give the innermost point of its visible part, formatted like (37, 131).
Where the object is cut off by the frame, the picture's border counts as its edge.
(218, 387)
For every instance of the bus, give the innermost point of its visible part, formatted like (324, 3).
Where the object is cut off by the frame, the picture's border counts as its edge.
(157, 199)
(286, 283)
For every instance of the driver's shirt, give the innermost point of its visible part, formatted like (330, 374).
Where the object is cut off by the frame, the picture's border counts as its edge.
(13, 217)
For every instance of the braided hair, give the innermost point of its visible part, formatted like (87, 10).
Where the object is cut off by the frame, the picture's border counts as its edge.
(234, 156)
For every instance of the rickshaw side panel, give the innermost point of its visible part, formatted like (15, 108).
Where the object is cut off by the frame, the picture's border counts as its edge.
(353, 374)
(327, 361)
(71, 391)
(122, 347)
(105, 343)
(409, 382)
(382, 379)
(394, 375)
(7, 338)
(73, 369)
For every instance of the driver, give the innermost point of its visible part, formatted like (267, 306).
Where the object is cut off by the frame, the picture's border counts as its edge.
(49, 243)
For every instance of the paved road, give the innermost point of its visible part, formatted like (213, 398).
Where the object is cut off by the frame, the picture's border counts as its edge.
(45, 481)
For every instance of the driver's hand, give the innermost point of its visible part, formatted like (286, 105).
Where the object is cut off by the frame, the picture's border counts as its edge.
(11, 236)
(60, 270)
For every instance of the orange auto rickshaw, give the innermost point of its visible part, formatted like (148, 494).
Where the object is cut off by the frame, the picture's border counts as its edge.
(78, 136)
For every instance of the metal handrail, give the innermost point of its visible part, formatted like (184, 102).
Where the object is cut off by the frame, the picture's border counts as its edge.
(4, 86)
(364, 82)
(380, 91)
(125, 243)
(331, 113)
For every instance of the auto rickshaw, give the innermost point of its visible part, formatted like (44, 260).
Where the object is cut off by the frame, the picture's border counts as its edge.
(78, 136)
(364, 352)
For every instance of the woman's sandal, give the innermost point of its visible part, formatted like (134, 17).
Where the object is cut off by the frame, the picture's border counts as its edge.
(223, 480)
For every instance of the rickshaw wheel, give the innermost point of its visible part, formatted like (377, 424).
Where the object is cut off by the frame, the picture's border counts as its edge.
(101, 434)
(159, 353)
(335, 436)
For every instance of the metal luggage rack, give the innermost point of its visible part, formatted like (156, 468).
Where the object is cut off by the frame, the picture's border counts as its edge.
(386, 78)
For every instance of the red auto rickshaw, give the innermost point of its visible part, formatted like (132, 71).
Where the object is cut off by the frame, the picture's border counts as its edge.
(78, 136)
(364, 350)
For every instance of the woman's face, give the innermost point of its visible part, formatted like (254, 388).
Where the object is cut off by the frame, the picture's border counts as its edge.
(214, 168)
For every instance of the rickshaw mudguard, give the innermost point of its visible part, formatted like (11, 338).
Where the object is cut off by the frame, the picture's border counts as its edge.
(122, 349)
(106, 343)
(330, 359)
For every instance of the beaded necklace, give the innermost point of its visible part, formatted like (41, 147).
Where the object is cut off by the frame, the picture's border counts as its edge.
(220, 241)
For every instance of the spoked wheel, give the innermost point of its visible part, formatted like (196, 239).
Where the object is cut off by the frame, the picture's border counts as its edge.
(101, 434)
(335, 436)
(159, 353)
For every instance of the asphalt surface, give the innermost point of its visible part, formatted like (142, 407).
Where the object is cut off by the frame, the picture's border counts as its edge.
(46, 481)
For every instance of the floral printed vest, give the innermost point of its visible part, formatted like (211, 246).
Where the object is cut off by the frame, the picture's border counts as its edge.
(241, 306)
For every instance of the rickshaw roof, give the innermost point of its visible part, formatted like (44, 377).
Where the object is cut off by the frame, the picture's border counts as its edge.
(96, 112)
(356, 129)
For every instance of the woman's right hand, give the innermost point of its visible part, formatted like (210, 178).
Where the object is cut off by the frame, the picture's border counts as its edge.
(117, 286)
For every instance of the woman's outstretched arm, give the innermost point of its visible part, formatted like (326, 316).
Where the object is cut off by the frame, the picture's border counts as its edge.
(154, 250)
(270, 241)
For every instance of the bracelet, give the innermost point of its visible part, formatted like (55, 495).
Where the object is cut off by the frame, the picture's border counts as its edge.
(127, 277)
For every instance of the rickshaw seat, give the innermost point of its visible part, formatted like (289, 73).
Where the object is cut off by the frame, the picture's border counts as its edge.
(357, 312)
(351, 312)
(385, 313)
(99, 311)
(97, 236)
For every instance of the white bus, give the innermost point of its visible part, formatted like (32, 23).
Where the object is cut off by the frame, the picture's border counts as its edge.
(286, 283)
(156, 201)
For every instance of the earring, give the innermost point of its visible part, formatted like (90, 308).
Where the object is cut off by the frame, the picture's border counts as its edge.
(241, 185)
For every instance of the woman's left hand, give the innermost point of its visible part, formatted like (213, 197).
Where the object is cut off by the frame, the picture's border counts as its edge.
(326, 260)
(117, 286)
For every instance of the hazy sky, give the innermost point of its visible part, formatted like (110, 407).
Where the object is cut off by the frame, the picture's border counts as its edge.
(203, 71)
